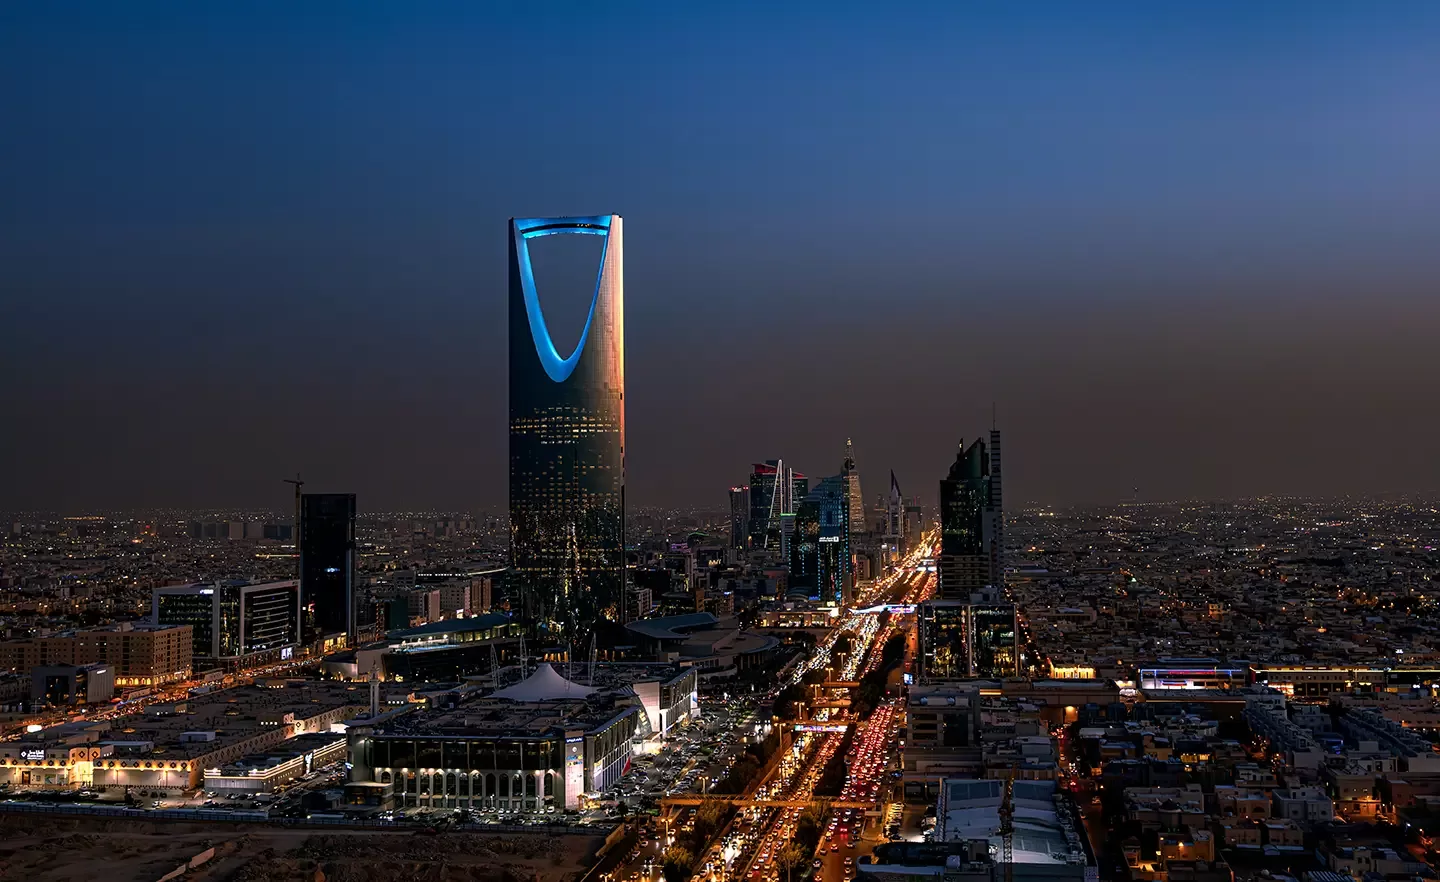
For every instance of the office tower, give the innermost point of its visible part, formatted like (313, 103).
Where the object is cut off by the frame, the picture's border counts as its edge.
(995, 515)
(567, 441)
(232, 620)
(968, 562)
(739, 516)
(327, 566)
(822, 557)
(895, 517)
(799, 489)
(775, 489)
(914, 522)
(852, 489)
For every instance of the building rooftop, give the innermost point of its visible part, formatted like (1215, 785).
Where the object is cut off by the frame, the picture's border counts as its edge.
(669, 627)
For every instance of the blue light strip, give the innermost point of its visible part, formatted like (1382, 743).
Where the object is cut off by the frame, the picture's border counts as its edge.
(556, 368)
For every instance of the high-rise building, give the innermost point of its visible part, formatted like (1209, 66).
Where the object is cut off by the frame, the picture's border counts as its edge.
(995, 515)
(327, 565)
(567, 441)
(852, 490)
(914, 522)
(775, 491)
(739, 516)
(895, 518)
(232, 620)
(821, 555)
(969, 559)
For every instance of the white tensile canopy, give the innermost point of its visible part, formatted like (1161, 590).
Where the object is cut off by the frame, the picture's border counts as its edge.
(546, 684)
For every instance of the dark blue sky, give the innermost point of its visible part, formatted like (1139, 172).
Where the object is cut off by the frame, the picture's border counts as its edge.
(1185, 247)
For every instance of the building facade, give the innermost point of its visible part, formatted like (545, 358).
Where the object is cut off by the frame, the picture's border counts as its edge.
(327, 565)
(971, 556)
(465, 767)
(740, 516)
(232, 621)
(567, 440)
(141, 654)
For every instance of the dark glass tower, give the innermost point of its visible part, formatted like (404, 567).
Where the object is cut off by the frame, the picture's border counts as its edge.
(327, 565)
(965, 563)
(567, 441)
(821, 557)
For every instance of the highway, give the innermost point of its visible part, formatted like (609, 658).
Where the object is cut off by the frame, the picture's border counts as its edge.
(754, 844)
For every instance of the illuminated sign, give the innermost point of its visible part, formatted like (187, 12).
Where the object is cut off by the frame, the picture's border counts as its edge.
(286, 652)
(821, 727)
(35, 755)
(829, 538)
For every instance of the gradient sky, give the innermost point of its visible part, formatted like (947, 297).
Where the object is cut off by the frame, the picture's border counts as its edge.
(1192, 248)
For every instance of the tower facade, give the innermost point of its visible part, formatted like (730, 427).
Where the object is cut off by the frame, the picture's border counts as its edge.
(327, 565)
(775, 491)
(854, 499)
(740, 516)
(967, 523)
(567, 441)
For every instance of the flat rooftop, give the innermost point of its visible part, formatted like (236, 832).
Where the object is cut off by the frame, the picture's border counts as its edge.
(234, 715)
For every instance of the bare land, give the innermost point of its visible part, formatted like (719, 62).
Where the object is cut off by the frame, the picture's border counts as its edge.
(48, 849)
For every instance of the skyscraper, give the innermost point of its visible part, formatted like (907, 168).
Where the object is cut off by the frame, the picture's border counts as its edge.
(852, 490)
(821, 558)
(995, 516)
(968, 563)
(740, 516)
(327, 565)
(567, 441)
(775, 490)
(895, 514)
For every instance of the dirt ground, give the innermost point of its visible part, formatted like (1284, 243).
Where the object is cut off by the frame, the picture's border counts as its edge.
(47, 849)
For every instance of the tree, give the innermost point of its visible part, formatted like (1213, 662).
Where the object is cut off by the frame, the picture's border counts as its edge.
(678, 864)
(709, 819)
(790, 857)
(844, 644)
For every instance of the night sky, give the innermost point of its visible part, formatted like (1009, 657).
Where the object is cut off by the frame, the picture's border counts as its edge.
(1190, 248)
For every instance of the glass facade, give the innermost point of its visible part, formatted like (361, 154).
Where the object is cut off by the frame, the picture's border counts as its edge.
(567, 443)
(327, 564)
(943, 641)
(821, 558)
(233, 619)
(271, 617)
(964, 500)
(993, 647)
(194, 609)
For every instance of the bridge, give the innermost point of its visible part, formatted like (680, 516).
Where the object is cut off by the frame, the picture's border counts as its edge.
(840, 684)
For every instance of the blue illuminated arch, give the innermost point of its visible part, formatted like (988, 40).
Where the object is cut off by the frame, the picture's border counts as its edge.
(556, 368)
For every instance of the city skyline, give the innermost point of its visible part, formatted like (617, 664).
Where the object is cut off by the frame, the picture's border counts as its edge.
(1150, 229)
